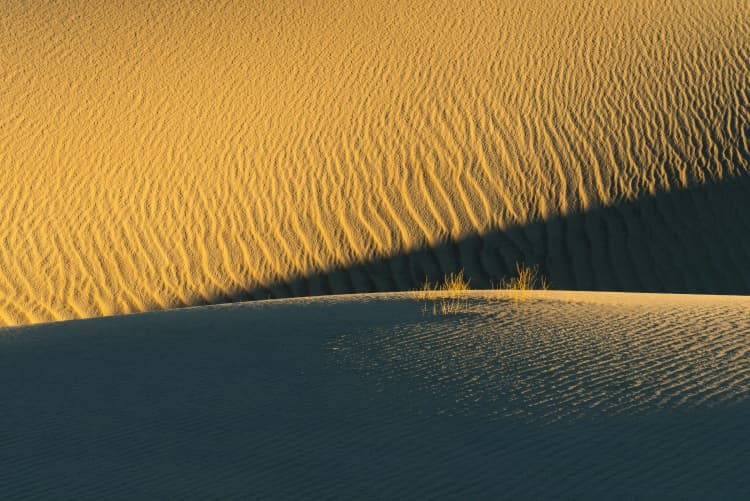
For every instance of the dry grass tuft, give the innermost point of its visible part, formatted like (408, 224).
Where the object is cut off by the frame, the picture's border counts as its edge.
(446, 294)
(447, 299)
(450, 306)
(527, 279)
(455, 282)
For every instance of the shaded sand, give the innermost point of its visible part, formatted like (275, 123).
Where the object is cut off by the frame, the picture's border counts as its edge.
(167, 153)
(572, 395)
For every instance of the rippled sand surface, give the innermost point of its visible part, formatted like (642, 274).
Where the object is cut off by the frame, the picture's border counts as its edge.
(166, 153)
(562, 395)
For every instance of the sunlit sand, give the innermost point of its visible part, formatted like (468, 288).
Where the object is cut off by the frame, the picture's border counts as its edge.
(164, 154)
(163, 162)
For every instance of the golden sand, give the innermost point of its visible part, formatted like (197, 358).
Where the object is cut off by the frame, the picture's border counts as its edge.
(162, 153)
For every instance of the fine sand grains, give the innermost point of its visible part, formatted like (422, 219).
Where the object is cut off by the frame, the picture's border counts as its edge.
(583, 395)
(166, 153)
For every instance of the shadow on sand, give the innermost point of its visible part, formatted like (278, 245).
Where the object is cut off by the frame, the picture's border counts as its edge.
(695, 240)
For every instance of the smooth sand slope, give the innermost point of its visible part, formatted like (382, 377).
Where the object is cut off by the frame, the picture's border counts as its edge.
(156, 154)
(580, 395)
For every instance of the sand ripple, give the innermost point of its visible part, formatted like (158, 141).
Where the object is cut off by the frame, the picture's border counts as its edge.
(160, 154)
(574, 396)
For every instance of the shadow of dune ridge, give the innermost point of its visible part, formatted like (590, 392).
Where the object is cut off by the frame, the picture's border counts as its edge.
(695, 240)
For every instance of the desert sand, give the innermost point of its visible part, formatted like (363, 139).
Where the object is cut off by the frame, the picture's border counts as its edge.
(559, 396)
(171, 155)
(158, 154)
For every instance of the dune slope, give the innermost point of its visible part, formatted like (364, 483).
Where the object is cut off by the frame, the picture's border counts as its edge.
(165, 153)
(563, 395)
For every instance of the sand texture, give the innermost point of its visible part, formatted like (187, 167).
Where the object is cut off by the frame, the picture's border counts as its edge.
(157, 154)
(561, 396)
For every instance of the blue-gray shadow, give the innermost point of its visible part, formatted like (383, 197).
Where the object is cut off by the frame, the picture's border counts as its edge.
(695, 240)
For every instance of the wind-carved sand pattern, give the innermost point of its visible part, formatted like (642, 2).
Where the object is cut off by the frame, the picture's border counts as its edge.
(584, 395)
(587, 356)
(162, 154)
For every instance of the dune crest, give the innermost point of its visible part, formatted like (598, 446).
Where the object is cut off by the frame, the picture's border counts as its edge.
(574, 395)
(161, 154)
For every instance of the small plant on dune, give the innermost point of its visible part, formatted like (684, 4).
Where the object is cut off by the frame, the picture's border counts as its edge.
(455, 282)
(445, 292)
(447, 297)
(527, 278)
(426, 290)
(450, 306)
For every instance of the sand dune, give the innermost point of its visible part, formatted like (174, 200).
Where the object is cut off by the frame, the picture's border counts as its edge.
(165, 153)
(564, 395)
